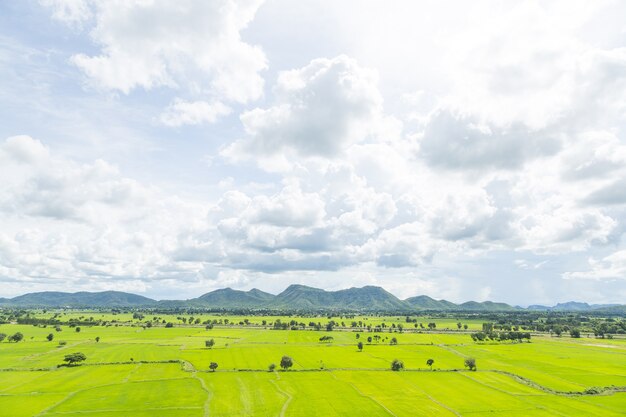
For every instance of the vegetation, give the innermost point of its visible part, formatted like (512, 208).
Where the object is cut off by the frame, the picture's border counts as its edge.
(16, 337)
(74, 358)
(397, 365)
(325, 378)
(286, 362)
(470, 363)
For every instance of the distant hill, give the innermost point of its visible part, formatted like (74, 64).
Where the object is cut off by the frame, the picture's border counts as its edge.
(575, 306)
(485, 306)
(294, 297)
(81, 299)
(227, 297)
(424, 302)
(366, 298)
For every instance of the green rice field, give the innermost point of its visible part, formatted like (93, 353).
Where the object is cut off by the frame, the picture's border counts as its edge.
(138, 371)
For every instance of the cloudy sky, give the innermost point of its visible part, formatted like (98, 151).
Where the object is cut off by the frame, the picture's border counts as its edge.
(463, 150)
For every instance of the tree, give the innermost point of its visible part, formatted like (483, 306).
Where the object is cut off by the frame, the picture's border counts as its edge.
(271, 367)
(97, 339)
(432, 326)
(209, 343)
(393, 341)
(369, 339)
(360, 346)
(358, 335)
(78, 330)
(286, 362)
(575, 333)
(470, 363)
(213, 366)
(2, 336)
(430, 362)
(397, 365)
(169, 325)
(50, 337)
(17, 337)
(74, 358)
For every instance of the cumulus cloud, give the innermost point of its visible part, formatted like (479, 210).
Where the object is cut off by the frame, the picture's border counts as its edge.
(612, 194)
(319, 110)
(456, 141)
(612, 266)
(85, 222)
(194, 48)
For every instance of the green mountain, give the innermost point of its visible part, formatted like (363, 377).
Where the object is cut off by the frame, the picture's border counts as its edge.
(294, 297)
(229, 298)
(81, 299)
(365, 298)
(485, 306)
(424, 302)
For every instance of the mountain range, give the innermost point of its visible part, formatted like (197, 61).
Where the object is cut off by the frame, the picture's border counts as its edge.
(294, 297)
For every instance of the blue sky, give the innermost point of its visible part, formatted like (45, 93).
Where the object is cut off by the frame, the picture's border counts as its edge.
(455, 149)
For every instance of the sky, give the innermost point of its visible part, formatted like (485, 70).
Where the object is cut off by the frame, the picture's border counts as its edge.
(462, 150)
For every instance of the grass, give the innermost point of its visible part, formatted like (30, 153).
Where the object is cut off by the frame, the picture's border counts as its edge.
(127, 373)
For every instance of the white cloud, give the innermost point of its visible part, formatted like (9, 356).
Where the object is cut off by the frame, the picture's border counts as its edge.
(182, 112)
(319, 110)
(72, 12)
(455, 141)
(193, 48)
(610, 267)
(85, 222)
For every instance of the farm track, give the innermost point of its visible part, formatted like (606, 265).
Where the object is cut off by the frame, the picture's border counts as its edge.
(207, 403)
(288, 396)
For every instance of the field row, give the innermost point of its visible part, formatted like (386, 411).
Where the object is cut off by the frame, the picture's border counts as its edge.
(166, 390)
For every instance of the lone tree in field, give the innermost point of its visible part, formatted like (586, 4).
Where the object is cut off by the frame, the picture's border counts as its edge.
(17, 337)
(430, 362)
(50, 337)
(393, 341)
(397, 365)
(286, 362)
(209, 343)
(78, 330)
(470, 363)
(97, 339)
(213, 366)
(360, 346)
(74, 358)
(271, 367)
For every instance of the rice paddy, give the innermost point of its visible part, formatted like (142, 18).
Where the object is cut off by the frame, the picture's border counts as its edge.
(140, 371)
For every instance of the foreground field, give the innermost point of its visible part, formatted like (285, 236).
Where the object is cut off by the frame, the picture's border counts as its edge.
(135, 371)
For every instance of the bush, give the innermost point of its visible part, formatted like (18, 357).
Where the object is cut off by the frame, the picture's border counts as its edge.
(397, 365)
(470, 363)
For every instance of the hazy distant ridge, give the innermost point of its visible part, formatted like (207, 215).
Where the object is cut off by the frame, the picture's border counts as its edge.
(295, 296)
